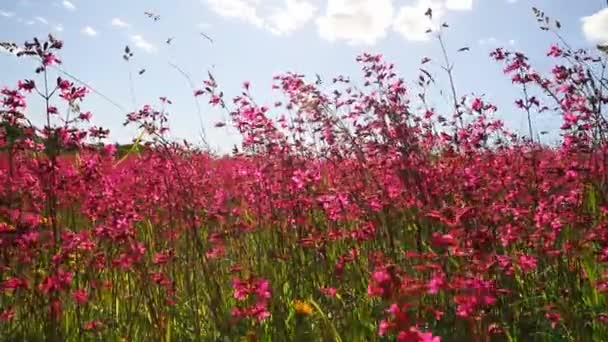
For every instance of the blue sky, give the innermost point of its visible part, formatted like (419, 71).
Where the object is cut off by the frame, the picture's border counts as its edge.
(256, 39)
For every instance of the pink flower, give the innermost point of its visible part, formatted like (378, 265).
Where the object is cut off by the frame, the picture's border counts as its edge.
(554, 51)
(27, 85)
(428, 337)
(252, 288)
(240, 289)
(7, 314)
(384, 327)
(263, 289)
(63, 85)
(81, 296)
(215, 100)
(329, 291)
(477, 105)
(13, 283)
(527, 263)
(162, 258)
(554, 317)
(445, 240)
(92, 325)
(85, 116)
(381, 276)
(61, 279)
(260, 311)
(50, 59)
(436, 282)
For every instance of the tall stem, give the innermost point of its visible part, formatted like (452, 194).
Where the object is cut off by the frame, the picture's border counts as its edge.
(54, 333)
(529, 115)
(448, 69)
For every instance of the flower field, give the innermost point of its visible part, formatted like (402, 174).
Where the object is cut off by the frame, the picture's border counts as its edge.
(354, 213)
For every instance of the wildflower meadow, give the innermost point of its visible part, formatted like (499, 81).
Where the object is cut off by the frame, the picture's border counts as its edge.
(352, 210)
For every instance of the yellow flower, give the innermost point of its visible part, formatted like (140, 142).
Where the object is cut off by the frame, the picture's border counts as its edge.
(302, 307)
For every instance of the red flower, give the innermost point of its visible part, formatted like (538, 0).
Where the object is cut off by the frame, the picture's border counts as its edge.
(80, 296)
(27, 85)
(7, 314)
(554, 51)
(13, 283)
(477, 105)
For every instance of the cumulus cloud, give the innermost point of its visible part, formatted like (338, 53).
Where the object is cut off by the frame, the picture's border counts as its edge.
(294, 15)
(117, 22)
(279, 20)
(58, 28)
(141, 43)
(595, 27)
(356, 21)
(412, 23)
(68, 5)
(89, 31)
(7, 14)
(239, 9)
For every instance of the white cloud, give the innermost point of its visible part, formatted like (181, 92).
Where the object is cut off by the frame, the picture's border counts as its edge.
(356, 21)
(68, 5)
(30, 22)
(42, 20)
(282, 20)
(294, 15)
(494, 42)
(488, 41)
(595, 27)
(412, 23)
(459, 5)
(58, 28)
(117, 22)
(512, 1)
(238, 9)
(143, 44)
(89, 31)
(7, 14)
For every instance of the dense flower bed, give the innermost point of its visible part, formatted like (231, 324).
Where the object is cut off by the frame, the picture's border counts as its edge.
(356, 213)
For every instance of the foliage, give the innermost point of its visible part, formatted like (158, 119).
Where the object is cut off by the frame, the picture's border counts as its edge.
(359, 213)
